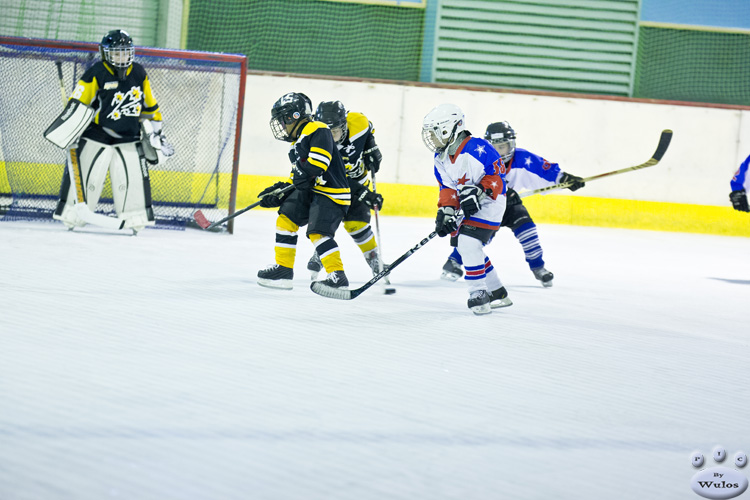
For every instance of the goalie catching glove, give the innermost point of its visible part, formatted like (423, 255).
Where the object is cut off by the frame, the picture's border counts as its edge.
(739, 200)
(471, 198)
(446, 221)
(272, 197)
(576, 182)
(371, 199)
(155, 145)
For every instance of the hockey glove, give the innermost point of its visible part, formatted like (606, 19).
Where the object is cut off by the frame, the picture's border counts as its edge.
(371, 199)
(304, 177)
(577, 182)
(446, 221)
(372, 159)
(739, 200)
(471, 199)
(512, 198)
(270, 196)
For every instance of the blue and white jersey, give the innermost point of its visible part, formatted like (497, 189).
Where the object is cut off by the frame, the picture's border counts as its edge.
(741, 180)
(475, 163)
(527, 171)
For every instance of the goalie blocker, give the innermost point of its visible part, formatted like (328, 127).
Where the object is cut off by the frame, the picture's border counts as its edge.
(68, 127)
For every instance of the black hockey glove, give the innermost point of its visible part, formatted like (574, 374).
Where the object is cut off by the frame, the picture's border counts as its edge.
(446, 221)
(304, 177)
(270, 197)
(371, 199)
(372, 159)
(739, 200)
(471, 199)
(577, 182)
(512, 198)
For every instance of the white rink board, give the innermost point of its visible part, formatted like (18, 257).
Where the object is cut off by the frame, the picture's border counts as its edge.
(585, 136)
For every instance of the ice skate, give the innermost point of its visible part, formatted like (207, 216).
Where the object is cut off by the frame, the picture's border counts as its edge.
(544, 276)
(373, 260)
(314, 265)
(276, 276)
(337, 279)
(452, 270)
(499, 298)
(479, 302)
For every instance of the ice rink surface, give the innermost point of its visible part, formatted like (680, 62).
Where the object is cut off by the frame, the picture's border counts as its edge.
(155, 368)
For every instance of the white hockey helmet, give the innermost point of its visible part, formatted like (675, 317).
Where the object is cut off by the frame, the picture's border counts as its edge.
(441, 126)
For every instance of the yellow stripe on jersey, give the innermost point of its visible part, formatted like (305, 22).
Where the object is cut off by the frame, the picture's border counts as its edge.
(150, 101)
(309, 128)
(340, 196)
(358, 125)
(85, 91)
(321, 151)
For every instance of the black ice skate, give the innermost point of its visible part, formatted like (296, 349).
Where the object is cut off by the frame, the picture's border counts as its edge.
(314, 265)
(544, 276)
(499, 298)
(479, 302)
(276, 276)
(337, 279)
(451, 270)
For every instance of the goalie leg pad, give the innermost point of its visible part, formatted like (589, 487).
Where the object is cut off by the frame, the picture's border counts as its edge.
(68, 127)
(94, 159)
(131, 185)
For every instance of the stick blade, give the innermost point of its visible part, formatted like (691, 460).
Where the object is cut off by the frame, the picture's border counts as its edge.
(332, 293)
(201, 220)
(664, 140)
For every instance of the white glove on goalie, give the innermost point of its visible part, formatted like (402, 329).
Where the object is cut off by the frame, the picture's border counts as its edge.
(156, 147)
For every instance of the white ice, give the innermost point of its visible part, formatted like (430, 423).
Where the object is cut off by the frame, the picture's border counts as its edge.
(155, 368)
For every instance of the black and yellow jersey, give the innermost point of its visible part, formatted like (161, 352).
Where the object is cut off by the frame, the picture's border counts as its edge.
(360, 133)
(119, 104)
(315, 147)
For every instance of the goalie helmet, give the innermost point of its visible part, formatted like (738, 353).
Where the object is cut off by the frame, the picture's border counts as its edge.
(503, 138)
(441, 127)
(333, 114)
(286, 114)
(118, 51)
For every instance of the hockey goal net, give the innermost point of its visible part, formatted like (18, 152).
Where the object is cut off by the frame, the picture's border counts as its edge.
(200, 95)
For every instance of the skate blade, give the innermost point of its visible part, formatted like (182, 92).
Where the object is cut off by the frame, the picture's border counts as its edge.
(496, 304)
(280, 284)
(449, 276)
(483, 309)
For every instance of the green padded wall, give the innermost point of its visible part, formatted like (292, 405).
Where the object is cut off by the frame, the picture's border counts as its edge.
(693, 65)
(312, 36)
(569, 46)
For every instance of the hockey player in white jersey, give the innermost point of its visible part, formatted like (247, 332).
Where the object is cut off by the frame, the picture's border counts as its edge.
(740, 184)
(471, 176)
(525, 170)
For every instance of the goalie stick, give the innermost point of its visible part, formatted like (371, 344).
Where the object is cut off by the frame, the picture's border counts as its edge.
(81, 207)
(388, 290)
(203, 222)
(666, 137)
(337, 293)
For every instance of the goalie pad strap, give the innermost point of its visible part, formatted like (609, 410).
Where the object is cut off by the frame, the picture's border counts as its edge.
(71, 123)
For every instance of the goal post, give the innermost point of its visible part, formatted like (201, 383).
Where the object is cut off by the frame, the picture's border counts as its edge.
(201, 96)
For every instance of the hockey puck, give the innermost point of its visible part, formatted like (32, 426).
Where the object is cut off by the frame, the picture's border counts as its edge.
(390, 291)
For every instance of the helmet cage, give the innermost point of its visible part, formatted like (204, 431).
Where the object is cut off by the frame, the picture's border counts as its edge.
(289, 110)
(118, 51)
(441, 126)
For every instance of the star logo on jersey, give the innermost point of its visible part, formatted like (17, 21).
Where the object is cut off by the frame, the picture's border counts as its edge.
(480, 149)
(463, 180)
(528, 162)
(126, 104)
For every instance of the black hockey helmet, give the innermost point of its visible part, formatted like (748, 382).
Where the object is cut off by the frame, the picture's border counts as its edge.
(503, 137)
(333, 114)
(289, 110)
(118, 51)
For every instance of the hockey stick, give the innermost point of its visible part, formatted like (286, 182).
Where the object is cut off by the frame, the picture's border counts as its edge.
(337, 293)
(81, 207)
(666, 137)
(203, 222)
(386, 280)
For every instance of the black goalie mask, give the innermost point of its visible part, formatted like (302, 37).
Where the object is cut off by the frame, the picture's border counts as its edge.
(286, 114)
(117, 51)
(333, 114)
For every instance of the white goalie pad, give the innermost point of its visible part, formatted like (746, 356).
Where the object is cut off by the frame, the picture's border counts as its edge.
(68, 127)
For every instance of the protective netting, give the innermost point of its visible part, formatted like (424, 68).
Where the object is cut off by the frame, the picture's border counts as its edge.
(693, 65)
(199, 101)
(312, 36)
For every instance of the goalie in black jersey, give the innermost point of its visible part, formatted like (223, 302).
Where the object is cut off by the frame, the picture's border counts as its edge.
(355, 140)
(101, 129)
(320, 197)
